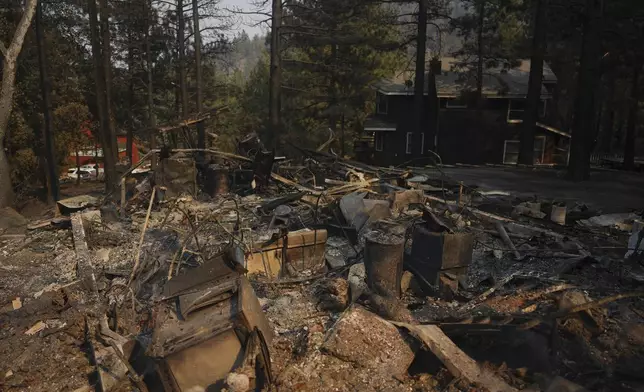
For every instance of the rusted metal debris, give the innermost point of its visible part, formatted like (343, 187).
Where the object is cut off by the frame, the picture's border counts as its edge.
(383, 259)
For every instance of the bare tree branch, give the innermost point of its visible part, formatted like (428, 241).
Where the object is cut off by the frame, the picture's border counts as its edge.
(240, 12)
(3, 49)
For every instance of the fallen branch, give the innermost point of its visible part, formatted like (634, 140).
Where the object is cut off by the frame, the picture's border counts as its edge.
(294, 184)
(487, 293)
(145, 227)
(326, 144)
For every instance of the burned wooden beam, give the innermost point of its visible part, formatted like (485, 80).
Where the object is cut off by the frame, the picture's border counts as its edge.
(84, 267)
(456, 361)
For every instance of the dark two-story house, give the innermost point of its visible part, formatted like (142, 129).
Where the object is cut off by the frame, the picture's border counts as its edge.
(463, 132)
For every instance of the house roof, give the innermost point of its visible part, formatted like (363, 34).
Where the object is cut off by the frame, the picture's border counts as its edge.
(497, 83)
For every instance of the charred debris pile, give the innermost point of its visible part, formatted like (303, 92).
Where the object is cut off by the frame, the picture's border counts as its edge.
(316, 273)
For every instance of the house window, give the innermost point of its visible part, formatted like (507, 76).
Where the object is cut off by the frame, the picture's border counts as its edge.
(382, 104)
(515, 111)
(422, 144)
(409, 140)
(380, 138)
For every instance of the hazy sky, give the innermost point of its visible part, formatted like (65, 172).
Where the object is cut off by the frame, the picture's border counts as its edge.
(246, 21)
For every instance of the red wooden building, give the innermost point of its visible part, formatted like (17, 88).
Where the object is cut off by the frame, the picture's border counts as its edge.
(93, 152)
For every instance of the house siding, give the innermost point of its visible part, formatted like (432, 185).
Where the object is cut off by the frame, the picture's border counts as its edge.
(465, 135)
(394, 152)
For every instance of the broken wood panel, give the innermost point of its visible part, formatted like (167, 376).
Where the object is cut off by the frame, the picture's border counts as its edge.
(303, 249)
(85, 267)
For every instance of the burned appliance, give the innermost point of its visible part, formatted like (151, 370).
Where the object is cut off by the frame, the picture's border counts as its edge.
(210, 324)
(438, 255)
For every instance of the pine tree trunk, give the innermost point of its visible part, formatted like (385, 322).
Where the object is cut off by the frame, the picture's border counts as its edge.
(52, 165)
(332, 91)
(109, 161)
(107, 72)
(201, 130)
(479, 60)
(535, 84)
(419, 81)
(150, 87)
(342, 140)
(631, 126)
(130, 94)
(7, 88)
(583, 123)
(608, 119)
(183, 88)
(275, 94)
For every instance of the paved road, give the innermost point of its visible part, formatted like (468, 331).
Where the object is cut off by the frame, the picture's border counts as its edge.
(610, 191)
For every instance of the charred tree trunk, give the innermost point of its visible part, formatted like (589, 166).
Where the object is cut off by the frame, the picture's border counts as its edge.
(150, 87)
(273, 135)
(419, 81)
(201, 130)
(181, 40)
(631, 126)
(109, 155)
(583, 123)
(9, 67)
(434, 106)
(52, 172)
(535, 83)
(332, 91)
